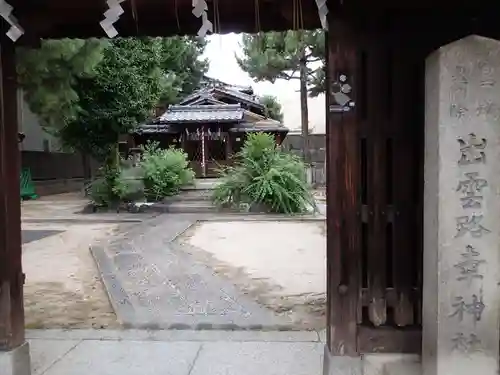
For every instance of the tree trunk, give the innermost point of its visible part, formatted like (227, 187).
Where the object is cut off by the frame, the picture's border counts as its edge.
(304, 111)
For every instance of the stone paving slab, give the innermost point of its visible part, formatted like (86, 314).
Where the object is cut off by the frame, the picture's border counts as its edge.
(131, 355)
(154, 284)
(268, 358)
(127, 358)
(47, 352)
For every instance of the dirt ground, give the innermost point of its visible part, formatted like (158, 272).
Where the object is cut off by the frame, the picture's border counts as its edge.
(281, 264)
(63, 288)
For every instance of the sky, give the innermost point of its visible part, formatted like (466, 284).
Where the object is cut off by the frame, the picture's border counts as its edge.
(221, 50)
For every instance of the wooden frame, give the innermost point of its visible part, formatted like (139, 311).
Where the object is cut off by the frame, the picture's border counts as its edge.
(11, 276)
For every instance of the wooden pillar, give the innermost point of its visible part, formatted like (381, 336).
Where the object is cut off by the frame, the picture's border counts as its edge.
(11, 276)
(229, 146)
(203, 153)
(343, 202)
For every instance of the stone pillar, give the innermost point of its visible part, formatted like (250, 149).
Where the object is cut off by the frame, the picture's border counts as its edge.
(14, 350)
(461, 296)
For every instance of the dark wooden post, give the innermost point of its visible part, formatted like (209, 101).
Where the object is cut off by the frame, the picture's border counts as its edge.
(229, 146)
(11, 276)
(343, 202)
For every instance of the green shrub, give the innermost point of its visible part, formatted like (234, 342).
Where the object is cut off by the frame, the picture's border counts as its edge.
(265, 175)
(101, 190)
(129, 184)
(165, 171)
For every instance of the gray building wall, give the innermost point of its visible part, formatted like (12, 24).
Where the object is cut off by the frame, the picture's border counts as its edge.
(37, 139)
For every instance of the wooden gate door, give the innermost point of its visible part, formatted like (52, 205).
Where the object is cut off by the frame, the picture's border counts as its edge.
(374, 138)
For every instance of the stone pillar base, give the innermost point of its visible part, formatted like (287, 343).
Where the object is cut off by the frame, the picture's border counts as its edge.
(372, 364)
(341, 365)
(16, 361)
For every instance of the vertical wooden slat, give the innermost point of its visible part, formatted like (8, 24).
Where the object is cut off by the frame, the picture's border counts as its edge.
(11, 277)
(404, 256)
(343, 229)
(377, 187)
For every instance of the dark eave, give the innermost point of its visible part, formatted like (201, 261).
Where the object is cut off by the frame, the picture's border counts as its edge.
(80, 19)
(156, 129)
(257, 129)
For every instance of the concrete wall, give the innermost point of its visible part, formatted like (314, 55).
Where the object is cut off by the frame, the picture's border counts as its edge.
(36, 139)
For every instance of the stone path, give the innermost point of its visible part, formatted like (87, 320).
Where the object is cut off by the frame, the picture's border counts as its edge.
(154, 284)
(83, 352)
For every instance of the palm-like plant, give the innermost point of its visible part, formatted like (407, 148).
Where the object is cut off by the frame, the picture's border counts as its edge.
(265, 175)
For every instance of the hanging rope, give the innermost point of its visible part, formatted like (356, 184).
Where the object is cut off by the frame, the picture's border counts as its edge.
(216, 17)
(135, 16)
(176, 11)
(258, 28)
(297, 15)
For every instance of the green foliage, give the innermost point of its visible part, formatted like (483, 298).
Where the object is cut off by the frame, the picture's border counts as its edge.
(160, 173)
(101, 191)
(264, 175)
(90, 92)
(48, 76)
(165, 171)
(273, 107)
(277, 55)
(129, 183)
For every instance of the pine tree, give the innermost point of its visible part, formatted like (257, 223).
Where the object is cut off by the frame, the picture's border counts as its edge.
(288, 55)
(273, 107)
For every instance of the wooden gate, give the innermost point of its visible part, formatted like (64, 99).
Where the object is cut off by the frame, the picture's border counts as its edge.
(375, 139)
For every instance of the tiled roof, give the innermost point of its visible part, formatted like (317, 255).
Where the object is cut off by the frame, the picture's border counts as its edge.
(209, 92)
(202, 113)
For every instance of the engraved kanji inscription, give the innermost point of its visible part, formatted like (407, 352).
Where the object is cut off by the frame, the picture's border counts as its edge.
(471, 225)
(475, 308)
(487, 108)
(469, 265)
(487, 74)
(472, 150)
(458, 110)
(460, 81)
(465, 343)
(471, 189)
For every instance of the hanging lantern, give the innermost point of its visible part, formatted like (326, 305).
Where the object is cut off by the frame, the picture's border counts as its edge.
(15, 31)
(111, 16)
(322, 12)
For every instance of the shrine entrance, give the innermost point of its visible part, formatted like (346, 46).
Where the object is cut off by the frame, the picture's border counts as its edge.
(207, 150)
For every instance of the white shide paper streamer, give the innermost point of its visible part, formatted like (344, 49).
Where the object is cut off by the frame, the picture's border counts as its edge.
(200, 11)
(111, 16)
(322, 11)
(15, 31)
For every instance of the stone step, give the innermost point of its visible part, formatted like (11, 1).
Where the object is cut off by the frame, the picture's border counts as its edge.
(185, 207)
(202, 184)
(191, 195)
(406, 368)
